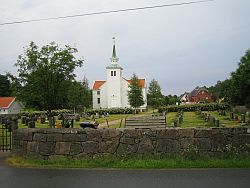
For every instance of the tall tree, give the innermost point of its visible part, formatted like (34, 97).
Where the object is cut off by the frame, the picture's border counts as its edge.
(236, 89)
(240, 82)
(46, 75)
(5, 90)
(135, 96)
(155, 97)
(80, 96)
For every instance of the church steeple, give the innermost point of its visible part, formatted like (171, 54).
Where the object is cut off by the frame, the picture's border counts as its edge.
(114, 59)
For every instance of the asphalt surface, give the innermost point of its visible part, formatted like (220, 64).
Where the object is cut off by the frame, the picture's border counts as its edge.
(11, 177)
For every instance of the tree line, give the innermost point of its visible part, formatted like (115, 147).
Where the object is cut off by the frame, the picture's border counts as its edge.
(46, 79)
(236, 89)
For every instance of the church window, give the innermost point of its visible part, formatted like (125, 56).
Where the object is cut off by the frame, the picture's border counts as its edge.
(111, 73)
(98, 100)
(114, 73)
(98, 92)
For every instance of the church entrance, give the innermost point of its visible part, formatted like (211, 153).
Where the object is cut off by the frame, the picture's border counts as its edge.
(114, 102)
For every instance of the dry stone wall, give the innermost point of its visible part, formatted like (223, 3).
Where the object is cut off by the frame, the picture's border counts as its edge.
(80, 143)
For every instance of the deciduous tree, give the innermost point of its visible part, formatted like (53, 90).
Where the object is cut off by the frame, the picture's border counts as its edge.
(155, 97)
(135, 96)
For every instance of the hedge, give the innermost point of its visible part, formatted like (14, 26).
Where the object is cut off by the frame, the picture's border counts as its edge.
(194, 107)
(112, 111)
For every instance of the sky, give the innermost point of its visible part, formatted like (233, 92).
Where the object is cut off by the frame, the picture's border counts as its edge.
(180, 46)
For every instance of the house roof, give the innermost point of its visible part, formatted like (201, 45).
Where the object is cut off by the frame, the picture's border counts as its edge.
(182, 95)
(5, 102)
(98, 84)
(141, 82)
(197, 90)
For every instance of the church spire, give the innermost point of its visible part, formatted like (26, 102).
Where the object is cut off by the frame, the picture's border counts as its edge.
(114, 51)
(114, 58)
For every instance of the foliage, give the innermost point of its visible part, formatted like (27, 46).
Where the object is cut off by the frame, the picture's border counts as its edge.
(171, 100)
(194, 107)
(5, 90)
(46, 75)
(154, 97)
(240, 82)
(135, 162)
(111, 111)
(80, 96)
(236, 89)
(40, 113)
(135, 96)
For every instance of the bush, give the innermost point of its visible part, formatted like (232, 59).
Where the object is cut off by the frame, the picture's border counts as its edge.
(111, 111)
(194, 107)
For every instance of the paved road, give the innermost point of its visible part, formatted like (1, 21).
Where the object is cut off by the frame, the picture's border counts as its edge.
(52, 178)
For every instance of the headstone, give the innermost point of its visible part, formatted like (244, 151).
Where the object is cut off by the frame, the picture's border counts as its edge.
(243, 118)
(27, 121)
(32, 124)
(232, 115)
(217, 123)
(23, 119)
(42, 119)
(77, 117)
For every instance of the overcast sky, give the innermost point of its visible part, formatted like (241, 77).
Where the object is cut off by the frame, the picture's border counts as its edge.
(180, 46)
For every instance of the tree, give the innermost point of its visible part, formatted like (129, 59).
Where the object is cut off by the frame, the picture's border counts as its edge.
(240, 82)
(5, 90)
(236, 89)
(80, 96)
(46, 75)
(155, 97)
(135, 96)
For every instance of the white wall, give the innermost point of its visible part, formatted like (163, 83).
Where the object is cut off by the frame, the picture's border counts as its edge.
(114, 89)
(15, 108)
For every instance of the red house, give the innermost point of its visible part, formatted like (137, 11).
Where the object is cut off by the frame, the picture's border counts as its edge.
(200, 94)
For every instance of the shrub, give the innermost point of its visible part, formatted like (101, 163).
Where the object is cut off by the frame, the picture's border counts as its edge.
(195, 107)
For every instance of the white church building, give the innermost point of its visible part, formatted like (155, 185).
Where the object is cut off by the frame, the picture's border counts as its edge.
(113, 92)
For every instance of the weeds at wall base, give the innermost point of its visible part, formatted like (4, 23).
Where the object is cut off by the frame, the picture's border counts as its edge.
(136, 162)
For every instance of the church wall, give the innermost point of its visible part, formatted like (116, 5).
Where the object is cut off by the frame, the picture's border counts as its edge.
(113, 89)
(124, 84)
(103, 95)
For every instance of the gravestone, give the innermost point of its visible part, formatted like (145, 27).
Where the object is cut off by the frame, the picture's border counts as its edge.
(243, 118)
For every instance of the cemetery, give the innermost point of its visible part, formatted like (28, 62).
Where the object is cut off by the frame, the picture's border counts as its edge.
(80, 136)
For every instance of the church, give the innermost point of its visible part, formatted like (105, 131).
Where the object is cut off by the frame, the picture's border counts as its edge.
(113, 92)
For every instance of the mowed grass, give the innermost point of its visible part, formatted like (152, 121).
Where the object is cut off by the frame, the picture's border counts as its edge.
(136, 162)
(225, 120)
(190, 119)
(77, 123)
(170, 117)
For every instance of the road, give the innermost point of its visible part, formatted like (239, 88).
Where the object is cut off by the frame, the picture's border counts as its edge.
(11, 177)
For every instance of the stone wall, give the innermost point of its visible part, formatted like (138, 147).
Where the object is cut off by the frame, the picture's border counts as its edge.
(79, 143)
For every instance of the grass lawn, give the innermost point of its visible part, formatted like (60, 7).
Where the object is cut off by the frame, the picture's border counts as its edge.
(139, 162)
(190, 119)
(225, 120)
(171, 116)
(76, 123)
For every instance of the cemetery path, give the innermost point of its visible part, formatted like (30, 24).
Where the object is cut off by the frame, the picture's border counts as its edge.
(11, 177)
(110, 123)
(118, 121)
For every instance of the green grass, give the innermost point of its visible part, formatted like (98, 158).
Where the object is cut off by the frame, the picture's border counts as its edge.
(225, 120)
(171, 117)
(141, 162)
(190, 119)
(76, 123)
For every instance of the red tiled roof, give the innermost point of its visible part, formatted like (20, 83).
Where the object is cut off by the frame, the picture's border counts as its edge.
(98, 84)
(5, 102)
(141, 82)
